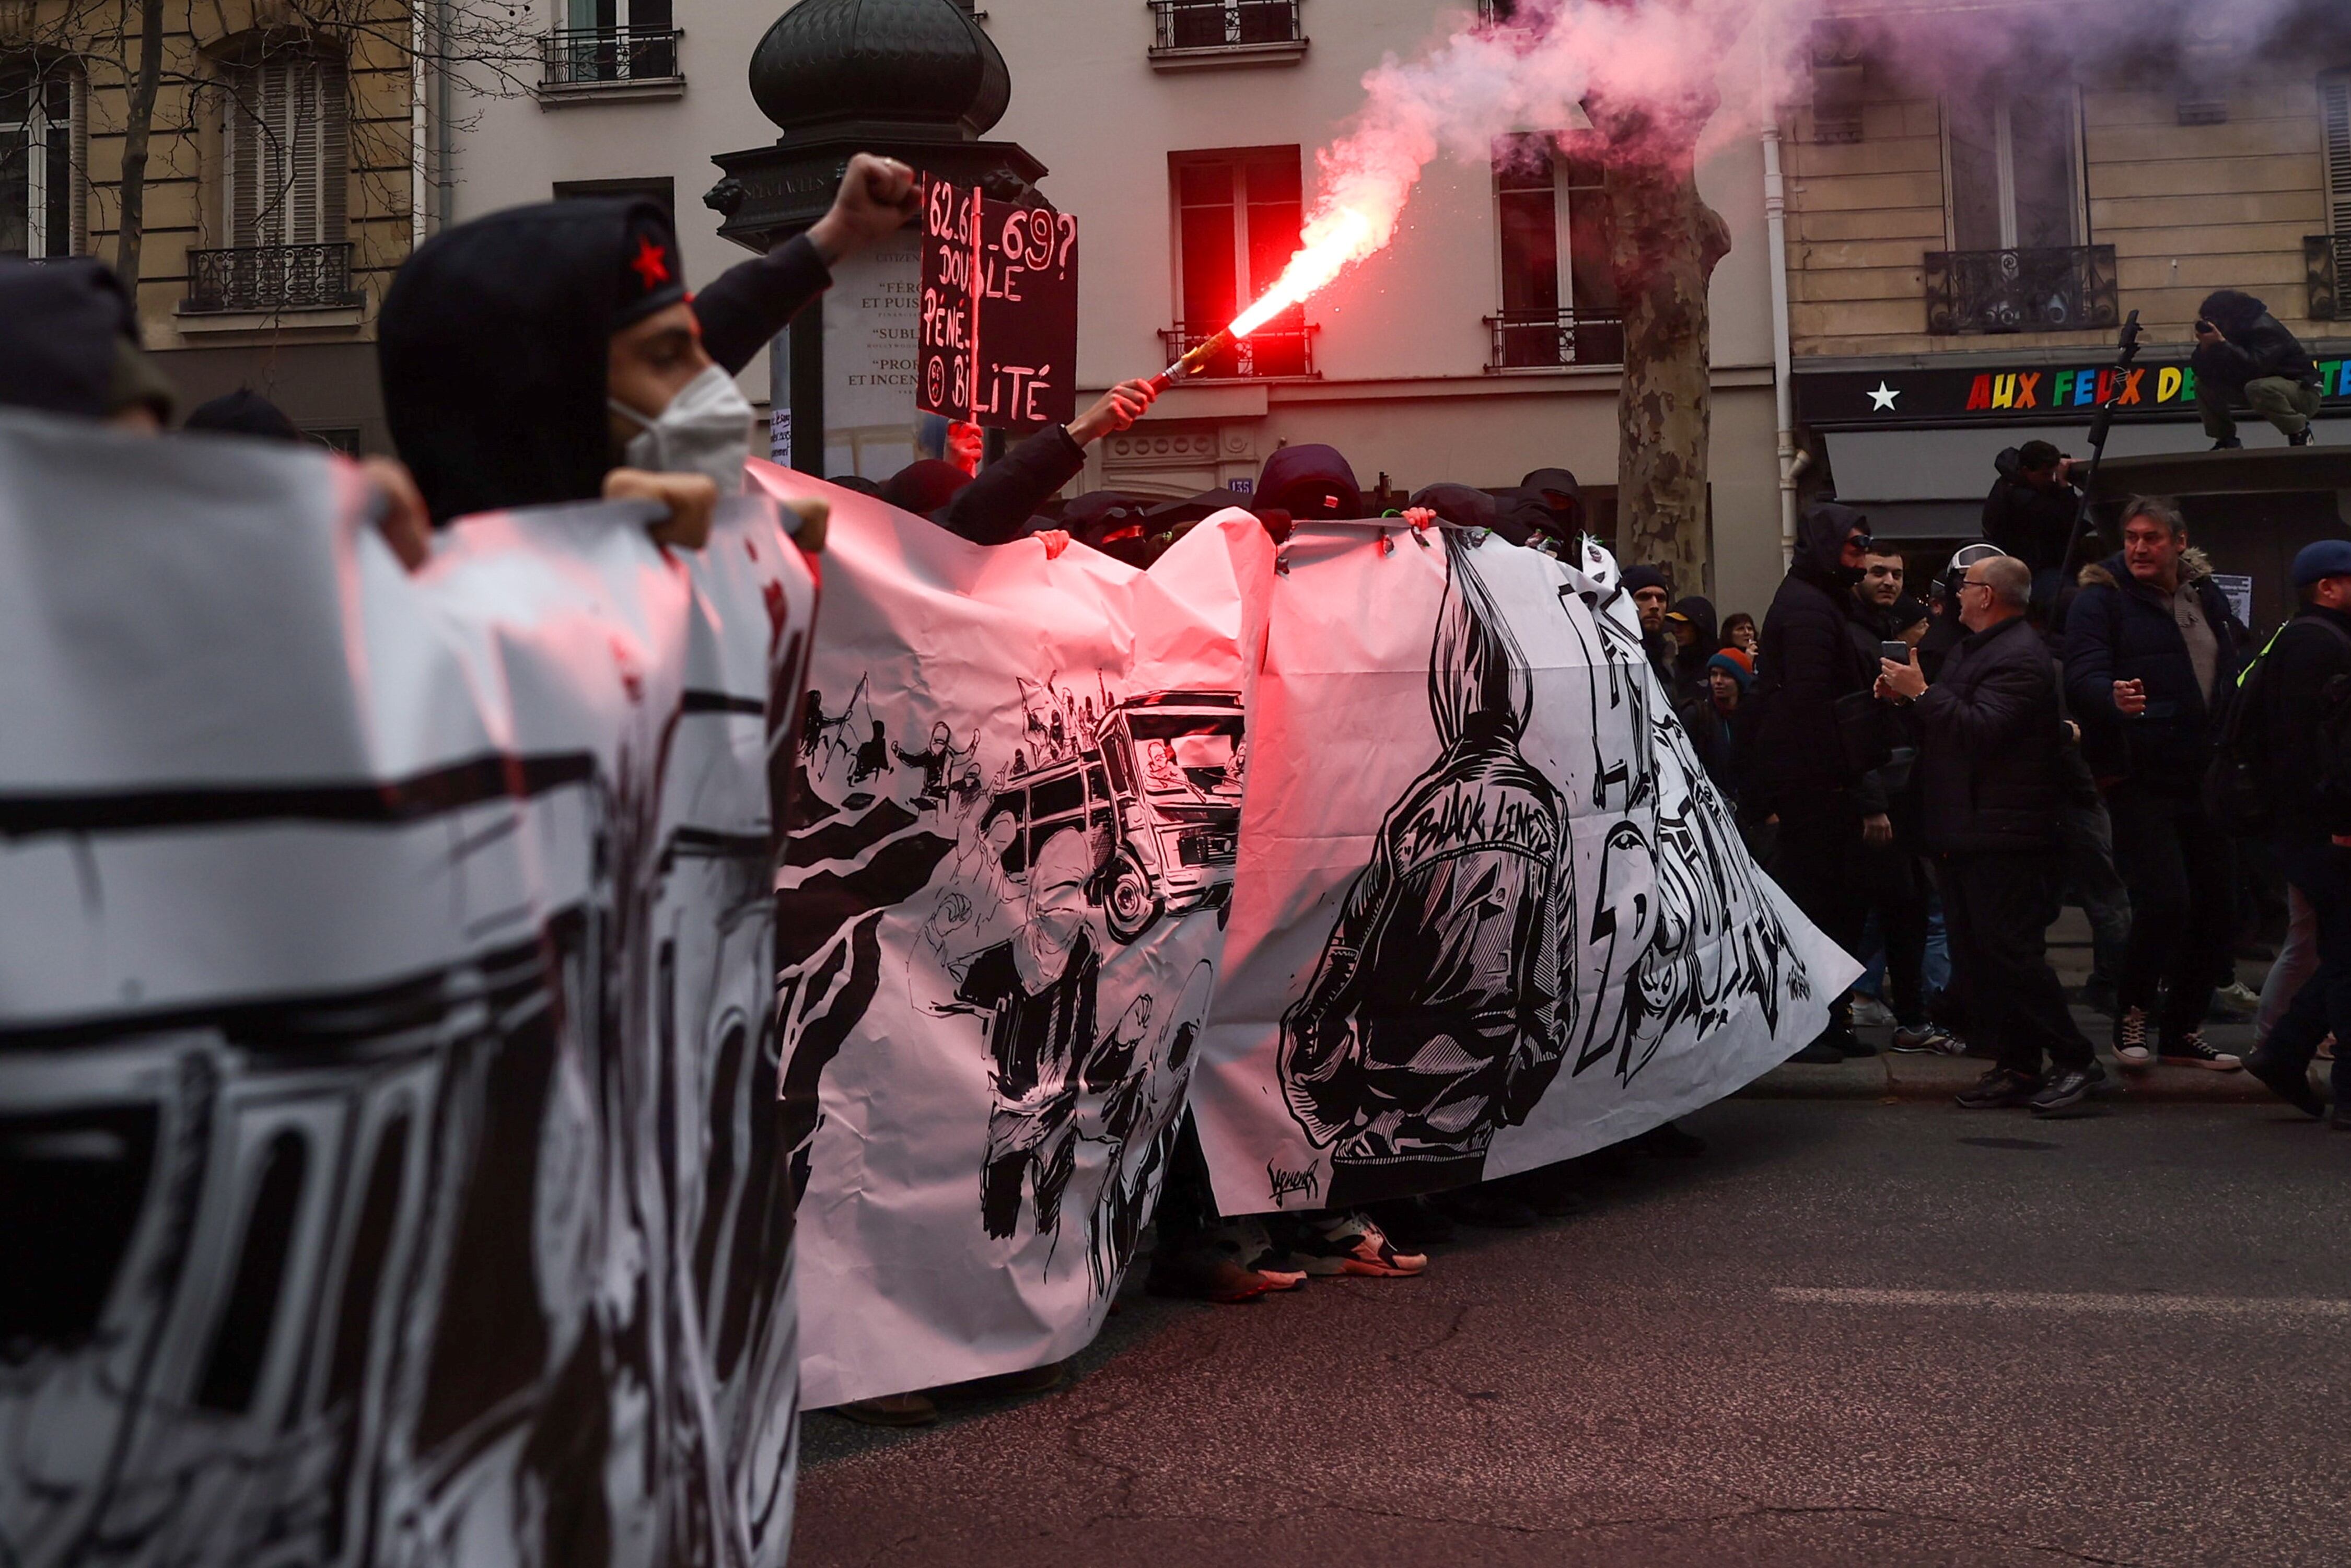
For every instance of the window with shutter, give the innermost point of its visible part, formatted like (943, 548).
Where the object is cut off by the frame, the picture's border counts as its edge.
(2334, 129)
(286, 138)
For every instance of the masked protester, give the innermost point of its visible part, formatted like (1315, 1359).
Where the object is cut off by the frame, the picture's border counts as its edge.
(546, 354)
(1813, 687)
(1549, 508)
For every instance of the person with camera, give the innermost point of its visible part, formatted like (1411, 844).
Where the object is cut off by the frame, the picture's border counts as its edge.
(1991, 747)
(2030, 513)
(2151, 644)
(2242, 355)
(2301, 705)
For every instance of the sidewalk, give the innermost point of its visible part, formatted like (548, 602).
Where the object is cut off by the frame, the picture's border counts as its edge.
(1888, 1077)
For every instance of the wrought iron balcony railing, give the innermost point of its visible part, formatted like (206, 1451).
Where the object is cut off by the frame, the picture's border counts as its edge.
(1545, 339)
(1271, 351)
(1224, 24)
(2062, 289)
(271, 278)
(2327, 268)
(593, 57)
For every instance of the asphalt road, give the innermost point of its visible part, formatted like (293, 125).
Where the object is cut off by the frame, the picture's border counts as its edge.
(1853, 1334)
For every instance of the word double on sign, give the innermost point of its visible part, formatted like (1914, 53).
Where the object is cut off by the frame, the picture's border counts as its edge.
(1000, 324)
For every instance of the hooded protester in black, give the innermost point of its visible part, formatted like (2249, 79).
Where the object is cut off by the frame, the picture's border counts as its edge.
(493, 344)
(1310, 481)
(1460, 505)
(1808, 659)
(2253, 345)
(1690, 659)
(69, 342)
(243, 412)
(1550, 503)
(59, 323)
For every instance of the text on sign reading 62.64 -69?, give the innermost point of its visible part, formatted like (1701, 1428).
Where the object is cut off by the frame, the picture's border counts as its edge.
(1000, 324)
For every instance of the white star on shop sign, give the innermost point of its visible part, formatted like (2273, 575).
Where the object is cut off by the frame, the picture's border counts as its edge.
(1883, 398)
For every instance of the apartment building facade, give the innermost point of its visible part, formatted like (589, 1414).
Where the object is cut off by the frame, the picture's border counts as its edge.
(1979, 196)
(281, 183)
(1182, 135)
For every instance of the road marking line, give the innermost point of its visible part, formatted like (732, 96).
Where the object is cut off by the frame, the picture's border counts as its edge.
(2074, 1301)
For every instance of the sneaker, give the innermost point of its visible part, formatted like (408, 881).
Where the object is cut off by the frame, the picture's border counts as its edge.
(1489, 1205)
(1328, 1244)
(1822, 1052)
(1198, 1273)
(2130, 1039)
(1998, 1090)
(1247, 1243)
(891, 1410)
(2190, 1050)
(1924, 1040)
(2237, 1000)
(2305, 436)
(2227, 443)
(2064, 1093)
(1868, 1012)
(1412, 1221)
(2286, 1082)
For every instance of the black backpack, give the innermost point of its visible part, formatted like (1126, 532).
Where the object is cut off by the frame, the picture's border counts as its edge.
(2236, 781)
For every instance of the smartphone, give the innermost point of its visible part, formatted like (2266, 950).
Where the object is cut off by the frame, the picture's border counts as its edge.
(1897, 650)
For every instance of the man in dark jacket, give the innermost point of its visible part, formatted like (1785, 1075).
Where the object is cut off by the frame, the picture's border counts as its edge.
(1801, 769)
(1000, 503)
(1651, 592)
(2244, 355)
(2149, 642)
(1894, 882)
(2310, 804)
(1989, 751)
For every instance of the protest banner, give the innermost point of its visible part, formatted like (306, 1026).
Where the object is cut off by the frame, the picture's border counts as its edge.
(389, 1159)
(1000, 323)
(1489, 911)
(1003, 905)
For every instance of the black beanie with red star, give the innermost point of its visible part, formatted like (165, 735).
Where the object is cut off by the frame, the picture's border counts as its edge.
(493, 342)
(651, 276)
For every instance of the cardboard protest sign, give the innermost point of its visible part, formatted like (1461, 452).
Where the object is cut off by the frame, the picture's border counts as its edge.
(389, 1161)
(1489, 912)
(999, 327)
(1003, 902)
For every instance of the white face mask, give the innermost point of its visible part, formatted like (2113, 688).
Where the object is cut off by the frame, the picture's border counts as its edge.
(706, 429)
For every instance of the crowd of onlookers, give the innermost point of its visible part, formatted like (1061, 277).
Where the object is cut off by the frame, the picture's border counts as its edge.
(1932, 775)
(1929, 769)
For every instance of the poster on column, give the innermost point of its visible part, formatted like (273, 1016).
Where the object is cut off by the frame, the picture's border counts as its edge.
(1491, 911)
(389, 1158)
(1003, 902)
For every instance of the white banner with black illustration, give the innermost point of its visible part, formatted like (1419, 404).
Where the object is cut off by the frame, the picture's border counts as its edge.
(1003, 905)
(1491, 911)
(389, 1155)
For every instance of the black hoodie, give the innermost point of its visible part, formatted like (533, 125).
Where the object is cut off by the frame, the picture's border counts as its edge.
(2025, 520)
(1806, 661)
(493, 347)
(1550, 502)
(1689, 663)
(59, 321)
